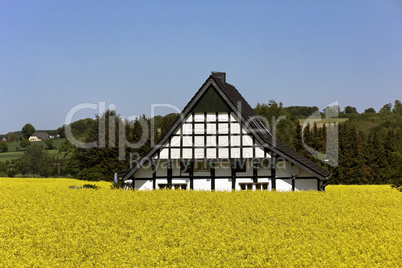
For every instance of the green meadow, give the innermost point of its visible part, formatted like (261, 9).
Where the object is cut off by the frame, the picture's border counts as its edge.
(321, 122)
(15, 151)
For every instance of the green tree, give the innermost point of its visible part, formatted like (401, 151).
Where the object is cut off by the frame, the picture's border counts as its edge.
(25, 143)
(3, 169)
(350, 110)
(280, 122)
(3, 147)
(35, 161)
(348, 155)
(363, 171)
(139, 132)
(332, 111)
(302, 111)
(12, 137)
(396, 176)
(308, 140)
(90, 174)
(104, 157)
(61, 131)
(372, 151)
(49, 144)
(370, 111)
(397, 107)
(80, 128)
(167, 122)
(73, 167)
(386, 109)
(317, 141)
(27, 131)
(66, 147)
(297, 143)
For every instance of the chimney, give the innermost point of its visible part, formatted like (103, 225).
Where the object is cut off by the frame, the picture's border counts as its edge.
(220, 75)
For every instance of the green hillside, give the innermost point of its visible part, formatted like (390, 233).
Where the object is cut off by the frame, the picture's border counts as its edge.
(15, 151)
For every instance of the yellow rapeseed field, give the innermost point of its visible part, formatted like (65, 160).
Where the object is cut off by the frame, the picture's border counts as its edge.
(44, 223)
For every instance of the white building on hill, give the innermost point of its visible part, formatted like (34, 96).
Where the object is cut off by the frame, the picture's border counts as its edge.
(39, 136)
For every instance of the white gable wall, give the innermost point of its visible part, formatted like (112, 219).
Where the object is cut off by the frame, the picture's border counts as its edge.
(211, 131)
(221, 130)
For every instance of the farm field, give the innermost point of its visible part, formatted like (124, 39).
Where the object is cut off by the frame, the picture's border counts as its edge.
(44, 223)
(323, 121)
(14, 150)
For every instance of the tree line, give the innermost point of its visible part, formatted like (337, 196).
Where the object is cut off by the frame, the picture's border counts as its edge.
(369, 144)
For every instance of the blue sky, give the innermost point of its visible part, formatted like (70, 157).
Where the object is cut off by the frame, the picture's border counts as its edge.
(55, 55)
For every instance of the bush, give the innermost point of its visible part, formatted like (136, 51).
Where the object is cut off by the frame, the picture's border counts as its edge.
(397, 184)
(85, 186)
(90, 186)
(3, 147)
(49, 144)
(3, 167)
(25, 143)
(90, 174)
(73, 167)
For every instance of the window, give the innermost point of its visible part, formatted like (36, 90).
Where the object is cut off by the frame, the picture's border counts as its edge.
(259, 186)
(176, 186)
(246, 186)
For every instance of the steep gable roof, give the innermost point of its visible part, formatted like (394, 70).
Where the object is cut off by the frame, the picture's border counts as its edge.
(266, 138)
(243, 110)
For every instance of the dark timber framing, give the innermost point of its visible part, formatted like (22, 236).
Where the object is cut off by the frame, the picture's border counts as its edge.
(273, 171)
(192, 175)
(233, 176)
(228, 101)
(192, 136)
(153, 175)
(241, 139)
(293, 182)
(181, 140)
(217, 136)
(229, 138)
(319, 185)
(205, 136)
(212, 175)
(255, 173)
(169, 173)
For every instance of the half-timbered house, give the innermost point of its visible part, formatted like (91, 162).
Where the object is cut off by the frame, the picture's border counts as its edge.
(219, 143)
